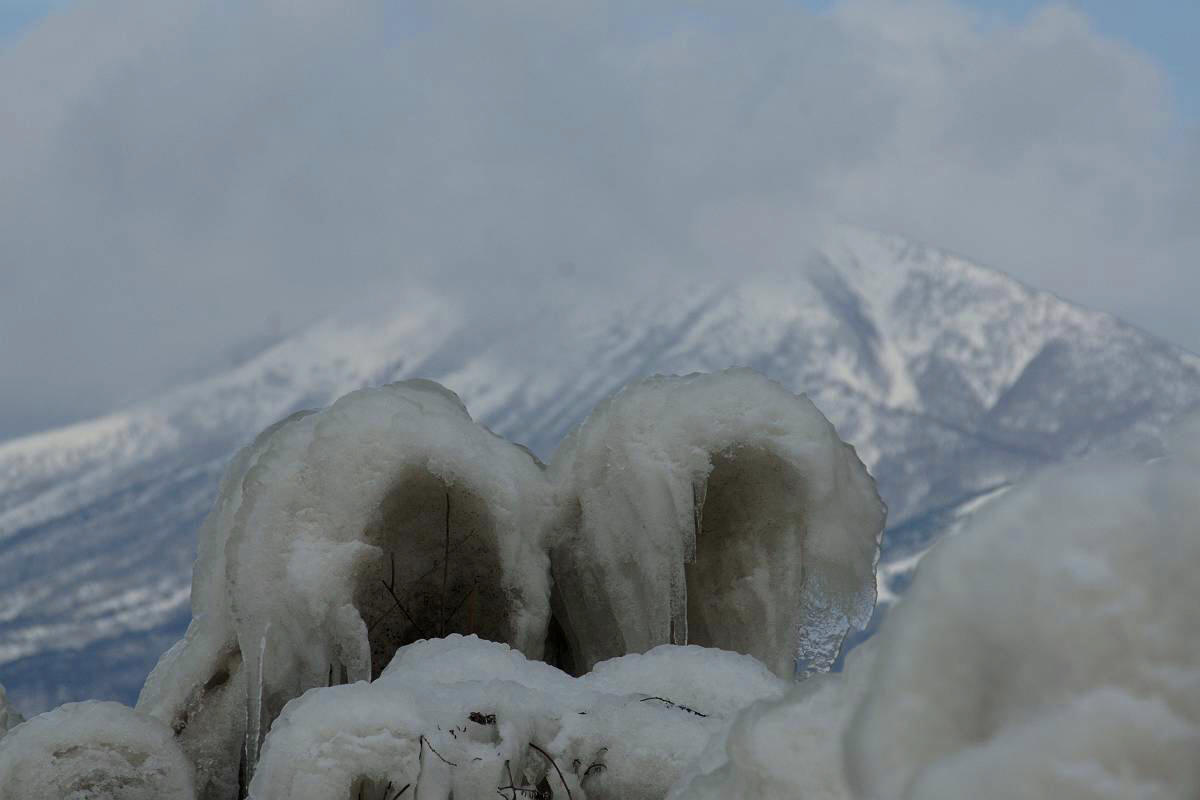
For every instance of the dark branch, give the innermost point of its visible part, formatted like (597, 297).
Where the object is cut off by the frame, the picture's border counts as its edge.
(546, 756)
(425, 742)
(675, 705)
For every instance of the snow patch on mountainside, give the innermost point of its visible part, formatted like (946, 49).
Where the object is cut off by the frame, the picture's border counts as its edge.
(949, 379)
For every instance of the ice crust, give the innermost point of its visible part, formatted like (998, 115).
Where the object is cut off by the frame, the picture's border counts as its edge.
(9, 718)
(719, 510)
(313, 519)
(786, 749)
(628, 731)
(1052, 649)
(345, 534)
(94, 750)
(199, 685)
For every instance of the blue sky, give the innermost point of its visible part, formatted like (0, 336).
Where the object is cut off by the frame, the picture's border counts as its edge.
(1165, 30)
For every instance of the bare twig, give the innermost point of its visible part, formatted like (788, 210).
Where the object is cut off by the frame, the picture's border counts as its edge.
(512, 784)
(426, 743)
(387, 790)
(554, 764)
(680, 706)
(391, 589)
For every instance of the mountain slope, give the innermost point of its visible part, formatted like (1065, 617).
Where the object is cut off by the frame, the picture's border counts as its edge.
(951, 380)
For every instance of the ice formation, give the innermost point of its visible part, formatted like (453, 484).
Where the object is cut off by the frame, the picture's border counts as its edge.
(9, 718)
(1051, 650)
(338, 537)
(199, 686)
(719, 510)
(786, 749)
(94, 750)
(467, 718)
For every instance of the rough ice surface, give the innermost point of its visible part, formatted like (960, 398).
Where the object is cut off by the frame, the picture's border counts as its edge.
(94, 750)
(9, 718)
(465, 717)
(338, 537)
(198, 686)
(787, 749)
(719, 510)
(718, 681)
(1051, 650)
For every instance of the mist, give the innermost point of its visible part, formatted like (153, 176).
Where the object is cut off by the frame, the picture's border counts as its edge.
(182, 178)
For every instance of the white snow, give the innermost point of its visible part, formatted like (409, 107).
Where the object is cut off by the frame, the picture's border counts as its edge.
(468, 716)
(341, 535)
(198, 686)
(785, 749)
(94, 750)
(328, 549)
(701, 499)
(1050, 650)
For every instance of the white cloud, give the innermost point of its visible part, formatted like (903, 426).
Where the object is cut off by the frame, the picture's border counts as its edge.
(174, 172)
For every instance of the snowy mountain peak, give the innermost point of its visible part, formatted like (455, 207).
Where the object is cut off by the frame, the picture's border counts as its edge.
(950, 379)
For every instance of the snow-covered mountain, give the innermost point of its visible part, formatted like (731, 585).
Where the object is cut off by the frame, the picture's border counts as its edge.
(952, 380)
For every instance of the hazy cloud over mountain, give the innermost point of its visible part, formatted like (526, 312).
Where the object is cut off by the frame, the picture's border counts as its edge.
(176, 174)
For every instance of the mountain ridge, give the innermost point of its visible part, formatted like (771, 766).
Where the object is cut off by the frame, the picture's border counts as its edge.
(951, 380)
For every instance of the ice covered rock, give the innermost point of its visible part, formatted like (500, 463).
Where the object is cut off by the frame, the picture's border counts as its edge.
(468, 718)
(719, 510)
(93, 750)
(340, 536)
(1050, 650)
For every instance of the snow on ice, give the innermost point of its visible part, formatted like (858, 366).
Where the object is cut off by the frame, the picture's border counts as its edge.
(463, 717)
(1052, 649)
(94, 750)
(391, 601)
(714, 509)
(343, 535)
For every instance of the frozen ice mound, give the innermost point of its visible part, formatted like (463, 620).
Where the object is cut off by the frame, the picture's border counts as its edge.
(94, 750)
(1052, 650)
(720, 510)
(338, 537)
(9, 718)
(469, 718)
(717, 510)
(785, 749)
(198, 686)
(718, 681)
